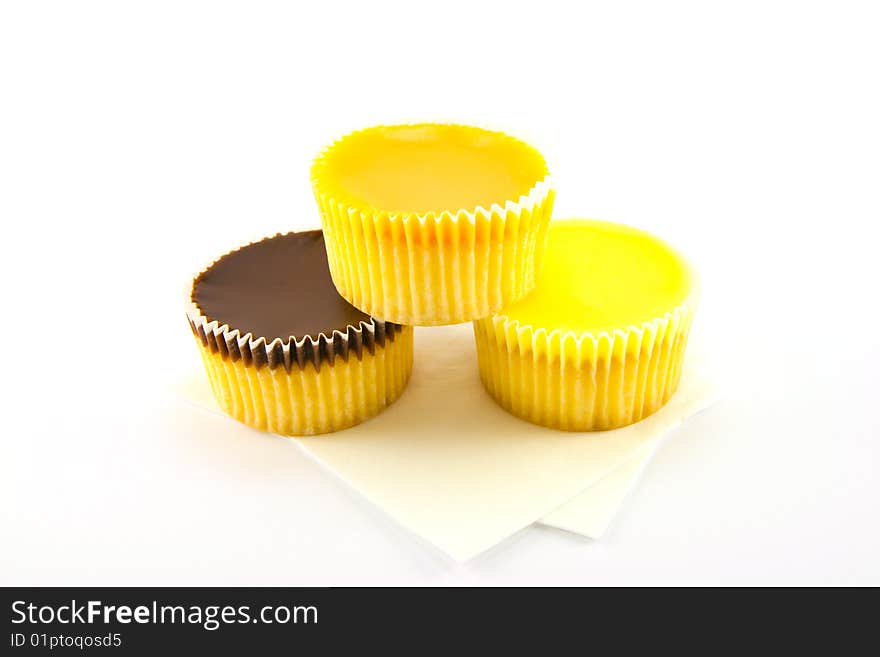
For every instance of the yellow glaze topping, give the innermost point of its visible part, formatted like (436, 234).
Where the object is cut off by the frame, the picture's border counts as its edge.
(430, 168)
(601, 276)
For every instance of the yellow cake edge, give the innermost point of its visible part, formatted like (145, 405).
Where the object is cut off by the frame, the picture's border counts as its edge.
(583, 380)
(311, 400)
(437, 272)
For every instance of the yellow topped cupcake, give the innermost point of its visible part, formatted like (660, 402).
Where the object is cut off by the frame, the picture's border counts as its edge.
(599, 342)
(432, 223)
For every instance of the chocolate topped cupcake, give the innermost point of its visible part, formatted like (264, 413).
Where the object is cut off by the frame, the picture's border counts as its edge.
(283, 351)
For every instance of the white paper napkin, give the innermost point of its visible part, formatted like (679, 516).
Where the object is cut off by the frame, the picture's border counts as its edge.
(591, 512)
(451, 466)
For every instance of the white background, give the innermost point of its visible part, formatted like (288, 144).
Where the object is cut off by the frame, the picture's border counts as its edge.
(139, 139)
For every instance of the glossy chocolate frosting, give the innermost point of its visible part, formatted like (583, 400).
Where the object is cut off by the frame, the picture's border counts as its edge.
(280, 287)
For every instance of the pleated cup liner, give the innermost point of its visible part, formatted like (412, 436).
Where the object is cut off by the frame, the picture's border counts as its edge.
(583, 381)
(432, 268)
(302, 385)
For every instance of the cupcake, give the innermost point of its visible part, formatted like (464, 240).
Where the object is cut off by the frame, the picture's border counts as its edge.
(599, 343)
(283, 351)
(432, 224)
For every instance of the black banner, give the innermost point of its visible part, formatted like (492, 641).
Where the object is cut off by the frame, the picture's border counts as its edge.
(254, 620)
(247, 621)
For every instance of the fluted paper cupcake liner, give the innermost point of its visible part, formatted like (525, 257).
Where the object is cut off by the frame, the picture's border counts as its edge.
(437, 267)
(311, 400)
(306, 385)
(583, 381)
